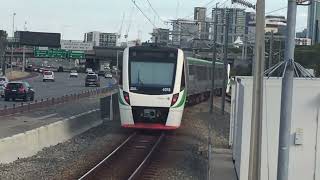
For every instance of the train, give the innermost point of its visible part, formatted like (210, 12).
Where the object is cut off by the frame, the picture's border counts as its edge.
(157, 82)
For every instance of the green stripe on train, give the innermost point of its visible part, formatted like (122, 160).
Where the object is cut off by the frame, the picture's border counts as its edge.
(196, 61)
(120, 98)
(183, 99)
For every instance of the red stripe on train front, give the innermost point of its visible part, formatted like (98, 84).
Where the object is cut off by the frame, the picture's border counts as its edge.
(149, 126)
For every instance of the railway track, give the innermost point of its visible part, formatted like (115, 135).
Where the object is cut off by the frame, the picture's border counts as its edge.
(128, 160)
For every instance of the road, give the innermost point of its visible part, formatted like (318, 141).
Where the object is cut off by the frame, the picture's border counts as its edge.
(63, 85)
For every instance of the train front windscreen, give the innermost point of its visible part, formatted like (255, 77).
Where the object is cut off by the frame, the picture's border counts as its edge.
(152, 74)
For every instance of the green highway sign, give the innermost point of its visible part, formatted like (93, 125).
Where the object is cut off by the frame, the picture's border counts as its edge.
(76, 55)
(58, 53)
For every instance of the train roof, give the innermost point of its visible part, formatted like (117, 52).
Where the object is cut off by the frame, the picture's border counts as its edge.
(197, 61)
(154, 48)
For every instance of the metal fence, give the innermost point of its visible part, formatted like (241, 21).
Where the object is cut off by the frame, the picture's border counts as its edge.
(42, 103)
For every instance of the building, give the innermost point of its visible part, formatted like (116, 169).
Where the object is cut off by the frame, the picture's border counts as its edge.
(302, 34)
(101, 39)
(277, 24)
(236, 20)
(160, 36)
(303, 41)
(313, 22)
(250, 29)
(185, 31)
(200, 13)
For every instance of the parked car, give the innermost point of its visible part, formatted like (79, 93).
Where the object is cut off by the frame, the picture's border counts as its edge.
(92, 79)
(73, 73)
(101, 73)
(108, 75)
(18, 90)
(48, 76)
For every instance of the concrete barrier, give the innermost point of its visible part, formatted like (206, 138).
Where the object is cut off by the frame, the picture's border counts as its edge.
(29, 143)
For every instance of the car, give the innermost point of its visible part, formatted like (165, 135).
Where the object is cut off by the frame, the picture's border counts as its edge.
(92, 79)
(101, 73)
(48, 76)
(2, 87)
(4, 80)
(60, 69)
(91, 73)
(73, 73)
(29, 68)
(40, 70)
(108, 75)
(89, 70)
(18, 90)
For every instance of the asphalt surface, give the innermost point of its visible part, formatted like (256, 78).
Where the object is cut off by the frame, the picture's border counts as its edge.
(63, 85)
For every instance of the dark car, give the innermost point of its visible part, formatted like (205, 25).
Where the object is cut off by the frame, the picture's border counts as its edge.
(18, 90)
(101, 73)
(92, 80)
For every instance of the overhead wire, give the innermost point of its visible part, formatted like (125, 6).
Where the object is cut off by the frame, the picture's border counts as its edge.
(155, 12)
(134, 2)
(276, 10)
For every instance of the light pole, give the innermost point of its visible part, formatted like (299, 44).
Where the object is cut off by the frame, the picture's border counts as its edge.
(13, 15)
(118, 61)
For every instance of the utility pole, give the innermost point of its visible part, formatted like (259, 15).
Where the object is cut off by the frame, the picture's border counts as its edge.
(225, 62)
(3, 40)
(13, 40)
(257, 95)
(270, 49)
(214, 56)
(23, 58)
(286, 94)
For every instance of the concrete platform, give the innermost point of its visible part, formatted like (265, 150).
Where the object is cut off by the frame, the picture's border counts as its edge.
(23, 135)
(222, 167)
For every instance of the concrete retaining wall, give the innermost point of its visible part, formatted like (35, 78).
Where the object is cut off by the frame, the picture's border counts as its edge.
(29, 143)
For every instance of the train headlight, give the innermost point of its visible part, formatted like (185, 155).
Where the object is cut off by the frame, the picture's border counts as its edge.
(126, 97)
(175, 98)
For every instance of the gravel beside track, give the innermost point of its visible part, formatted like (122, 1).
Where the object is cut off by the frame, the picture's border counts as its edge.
(183, 153)
(70, 159)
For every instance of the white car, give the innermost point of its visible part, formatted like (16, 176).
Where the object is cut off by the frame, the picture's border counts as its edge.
(4, 80)
(108, 75)
(48, 76)
(89, 70)
(74, 73)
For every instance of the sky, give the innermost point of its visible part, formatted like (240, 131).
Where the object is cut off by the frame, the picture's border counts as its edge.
(72, 18)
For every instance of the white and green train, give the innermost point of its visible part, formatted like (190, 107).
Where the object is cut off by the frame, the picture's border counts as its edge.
(156, 84)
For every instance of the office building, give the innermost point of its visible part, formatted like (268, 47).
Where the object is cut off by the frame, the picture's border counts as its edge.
(160, 36)
(236, 20)
(101, 39)
(313, 22)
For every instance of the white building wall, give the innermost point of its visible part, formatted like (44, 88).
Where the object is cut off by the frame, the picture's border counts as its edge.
(304, 159)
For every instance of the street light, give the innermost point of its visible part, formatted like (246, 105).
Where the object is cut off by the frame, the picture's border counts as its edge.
(13, 15)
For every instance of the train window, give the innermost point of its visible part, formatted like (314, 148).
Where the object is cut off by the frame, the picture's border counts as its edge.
(191, 70)
(202, 73)
(183, 83)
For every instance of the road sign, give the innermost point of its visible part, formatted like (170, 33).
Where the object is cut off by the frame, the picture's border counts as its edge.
(76, 55)
(58, 53)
